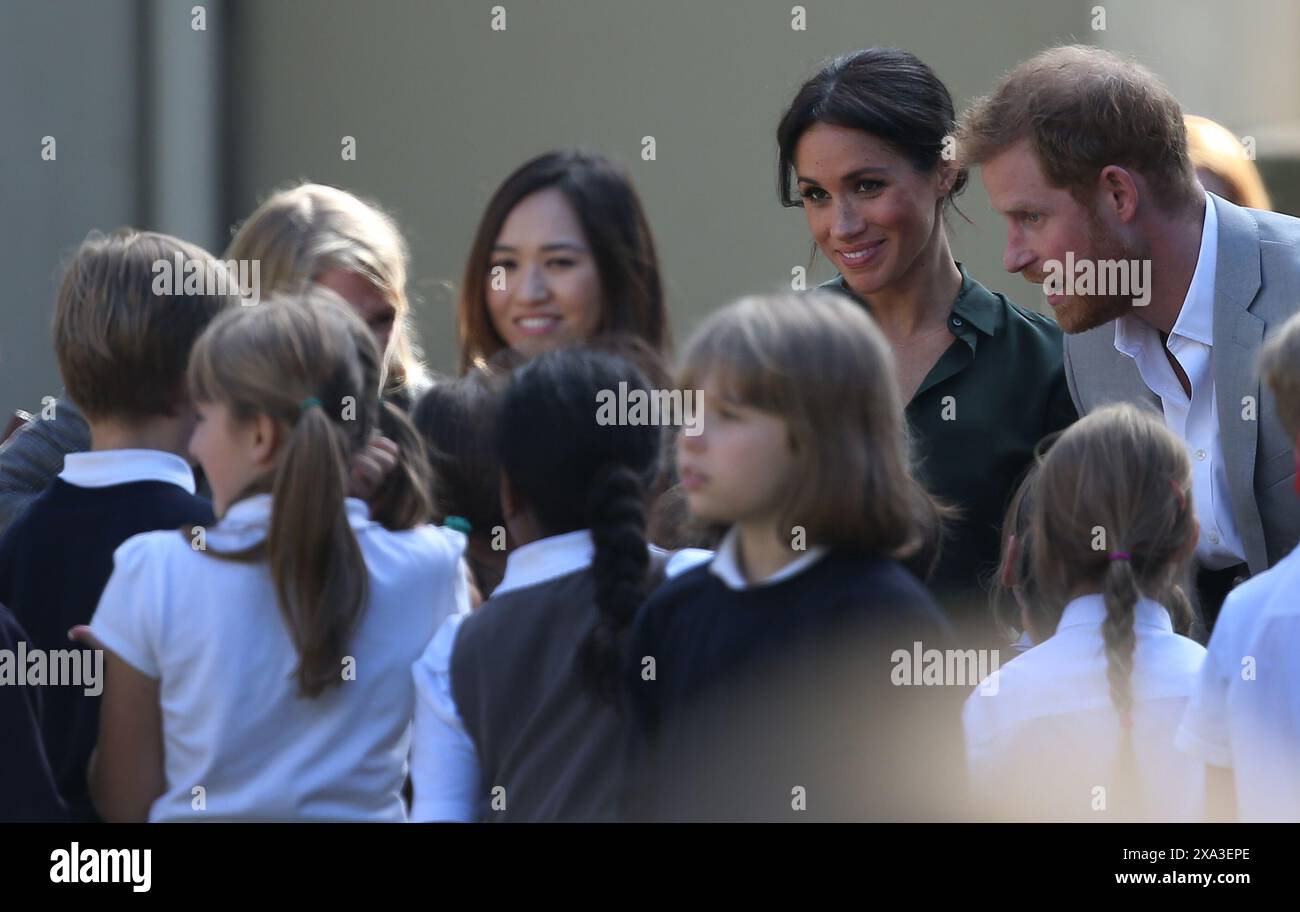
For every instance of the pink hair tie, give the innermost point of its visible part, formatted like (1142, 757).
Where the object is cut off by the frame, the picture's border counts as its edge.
(1126, 719)
(1120, 555)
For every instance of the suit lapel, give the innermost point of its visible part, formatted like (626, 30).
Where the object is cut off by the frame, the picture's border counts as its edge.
(1238, 335)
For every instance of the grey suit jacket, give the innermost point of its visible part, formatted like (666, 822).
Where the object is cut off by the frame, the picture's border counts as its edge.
(1256, 288)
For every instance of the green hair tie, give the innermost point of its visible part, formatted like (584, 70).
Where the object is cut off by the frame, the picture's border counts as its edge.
(459, 523)
(308, 403)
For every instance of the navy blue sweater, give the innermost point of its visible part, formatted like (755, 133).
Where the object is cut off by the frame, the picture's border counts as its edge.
(27, 791)
(778, 702)
(55, 560)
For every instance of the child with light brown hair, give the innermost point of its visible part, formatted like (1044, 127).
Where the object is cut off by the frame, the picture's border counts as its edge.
(765, 684)
(123, 341)
(1081, 727)
(268, 666)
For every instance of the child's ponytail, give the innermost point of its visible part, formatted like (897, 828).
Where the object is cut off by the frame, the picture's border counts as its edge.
(320, 575)
(1120, 592)
(572, 470)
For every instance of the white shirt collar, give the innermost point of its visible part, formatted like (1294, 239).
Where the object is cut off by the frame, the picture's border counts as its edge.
(1090, 611)
(253, 515)
(102, 468)
(726, 564)
(1196, 317)
(547, 559)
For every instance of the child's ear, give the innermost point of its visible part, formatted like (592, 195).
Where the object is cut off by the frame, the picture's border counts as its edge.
(1195, 538)
(264, 437)
(1027, 623)
(509, 507)
(1010, 557)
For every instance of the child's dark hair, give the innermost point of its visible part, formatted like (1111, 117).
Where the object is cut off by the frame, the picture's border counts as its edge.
(456, 419)
(574, 473)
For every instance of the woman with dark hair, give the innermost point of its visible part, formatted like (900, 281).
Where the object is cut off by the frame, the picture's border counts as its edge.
(562, 254)
(865, 147)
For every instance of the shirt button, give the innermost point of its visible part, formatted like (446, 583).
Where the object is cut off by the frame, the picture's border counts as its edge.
(1200, 454)
(956, 321)
(1214, 538)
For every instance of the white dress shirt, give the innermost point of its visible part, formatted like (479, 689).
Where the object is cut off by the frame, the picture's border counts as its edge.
(1044, 736)
(1245, 712)
(1194, 419)
(210, 630)
(444, 762)
(104, 468)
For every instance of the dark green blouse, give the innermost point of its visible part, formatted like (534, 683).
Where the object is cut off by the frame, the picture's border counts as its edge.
(996, 391)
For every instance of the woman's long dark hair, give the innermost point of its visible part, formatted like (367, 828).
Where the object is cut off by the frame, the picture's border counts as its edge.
(574, 473)
(610, 212)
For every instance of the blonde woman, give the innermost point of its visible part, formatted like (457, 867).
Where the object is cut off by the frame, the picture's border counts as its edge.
(313, 233)
(1221, 164)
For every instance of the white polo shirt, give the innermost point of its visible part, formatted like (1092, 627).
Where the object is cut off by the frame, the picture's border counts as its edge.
(211, 632)
(1245, 713)
(1042, 735)
(1195, 418)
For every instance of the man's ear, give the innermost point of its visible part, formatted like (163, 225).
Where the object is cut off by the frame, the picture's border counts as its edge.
(1119, 192)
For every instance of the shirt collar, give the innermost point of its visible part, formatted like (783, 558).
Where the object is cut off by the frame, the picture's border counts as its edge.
(1090, 611)
(102, 468)
(726, 564)
(1196, 317)
(974, 308)
(253, 513)
(547, 559)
